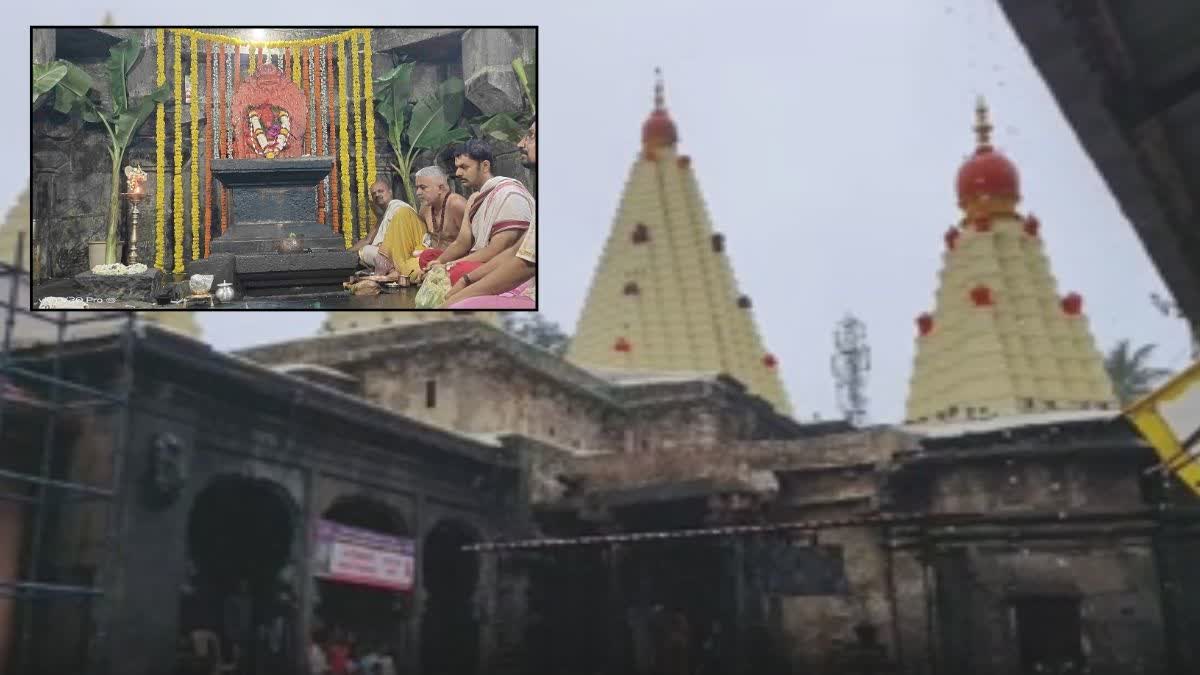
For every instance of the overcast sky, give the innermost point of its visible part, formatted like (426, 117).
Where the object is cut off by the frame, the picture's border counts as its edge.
(855, 113)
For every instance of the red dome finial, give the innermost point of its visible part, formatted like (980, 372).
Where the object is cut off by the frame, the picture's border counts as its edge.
(658, 130)
(987, 183)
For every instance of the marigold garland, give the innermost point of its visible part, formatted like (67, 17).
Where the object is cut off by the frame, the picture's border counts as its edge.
(253, 61)
(222, 83)
(160, 149)
(360, 192)
(228, 40)
(211, 140)
(177, 192)
(368, 92)
(333, 150)
(194, 185)
(343, 122)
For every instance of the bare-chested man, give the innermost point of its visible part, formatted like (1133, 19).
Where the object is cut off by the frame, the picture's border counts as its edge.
(441, 209)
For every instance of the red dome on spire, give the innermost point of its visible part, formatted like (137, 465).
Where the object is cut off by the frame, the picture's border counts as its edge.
(987, 171)
(659, 130)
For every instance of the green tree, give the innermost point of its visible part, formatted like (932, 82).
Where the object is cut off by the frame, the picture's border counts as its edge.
(1131, 374)
(535, 329)
(73, 92)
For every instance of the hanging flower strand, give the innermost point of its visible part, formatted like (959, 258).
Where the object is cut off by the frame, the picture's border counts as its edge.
(368, 80)
(222, 86)
(195, 177)
(344, 155)
(177, 192)
(220, 39)
(160, 148)
(360, 170)
(213, 143)
(333, 192)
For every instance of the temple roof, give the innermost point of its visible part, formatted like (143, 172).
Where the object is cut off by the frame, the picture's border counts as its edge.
(664, 298)
(347, 322)
(1000, 339)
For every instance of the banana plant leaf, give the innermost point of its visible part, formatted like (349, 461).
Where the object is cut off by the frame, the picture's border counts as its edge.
(392, 94)
(502, 126)
(121, 58)
(427, 124)
(527, 74)
(434, 117)
(132, 119)
(66, 100)
(76, 79)
(452, 94)
(46, 76)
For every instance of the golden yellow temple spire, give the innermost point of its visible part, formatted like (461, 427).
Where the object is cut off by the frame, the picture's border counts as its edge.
(1000, 340)
(664, 298)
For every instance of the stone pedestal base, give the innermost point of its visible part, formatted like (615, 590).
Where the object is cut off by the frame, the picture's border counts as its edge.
(137, 287)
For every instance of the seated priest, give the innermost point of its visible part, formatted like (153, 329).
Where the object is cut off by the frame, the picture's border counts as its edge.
(392, 247)
(508, 280)
(441, 209)
(498, 215)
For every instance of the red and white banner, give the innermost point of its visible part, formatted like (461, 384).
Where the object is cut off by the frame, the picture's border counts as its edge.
(355, 556)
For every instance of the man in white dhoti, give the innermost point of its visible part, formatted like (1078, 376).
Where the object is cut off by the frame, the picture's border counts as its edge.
(396, 214)
(497, 217)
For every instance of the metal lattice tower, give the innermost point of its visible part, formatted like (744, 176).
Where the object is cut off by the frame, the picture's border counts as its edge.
(850, 364)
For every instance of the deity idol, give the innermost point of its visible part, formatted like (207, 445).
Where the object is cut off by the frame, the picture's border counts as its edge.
(269, 116)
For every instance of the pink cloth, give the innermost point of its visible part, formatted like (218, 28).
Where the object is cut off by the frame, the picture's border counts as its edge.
(514, 299)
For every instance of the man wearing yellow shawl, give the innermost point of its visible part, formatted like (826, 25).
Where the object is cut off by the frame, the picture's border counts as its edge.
(392, 247)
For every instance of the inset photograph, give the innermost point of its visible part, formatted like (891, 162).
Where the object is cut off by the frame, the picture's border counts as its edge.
(258, 168)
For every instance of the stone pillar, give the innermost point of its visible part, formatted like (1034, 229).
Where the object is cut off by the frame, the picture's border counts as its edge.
(307, 582)
(420, 529)
(44, 44)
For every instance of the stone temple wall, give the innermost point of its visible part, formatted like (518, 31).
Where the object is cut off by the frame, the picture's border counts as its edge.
(71, 166)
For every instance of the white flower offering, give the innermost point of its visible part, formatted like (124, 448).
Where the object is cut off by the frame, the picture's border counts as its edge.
(117, 269)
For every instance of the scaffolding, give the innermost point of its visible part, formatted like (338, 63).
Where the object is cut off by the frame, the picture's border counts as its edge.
(36, 388)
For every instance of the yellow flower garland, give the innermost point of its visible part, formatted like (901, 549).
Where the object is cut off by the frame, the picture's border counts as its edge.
(297, 60)
(160, 150)
(359, 163)
(227, 40)
(253, 62)
(369, 93)
(195, 187)
(344, 143)
(177, 193)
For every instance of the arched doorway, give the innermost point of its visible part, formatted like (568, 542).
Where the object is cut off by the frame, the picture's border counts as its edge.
(449, 629)
(371, 617)
(239, 600)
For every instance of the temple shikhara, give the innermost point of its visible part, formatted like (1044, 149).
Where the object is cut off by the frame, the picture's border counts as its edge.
(1001, 340)
(664, 298)
(432, 493)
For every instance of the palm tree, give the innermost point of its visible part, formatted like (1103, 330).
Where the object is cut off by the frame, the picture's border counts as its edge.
(1131, 375)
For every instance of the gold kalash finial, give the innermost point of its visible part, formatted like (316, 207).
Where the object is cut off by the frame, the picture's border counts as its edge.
(658, 89)
(983, 126)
